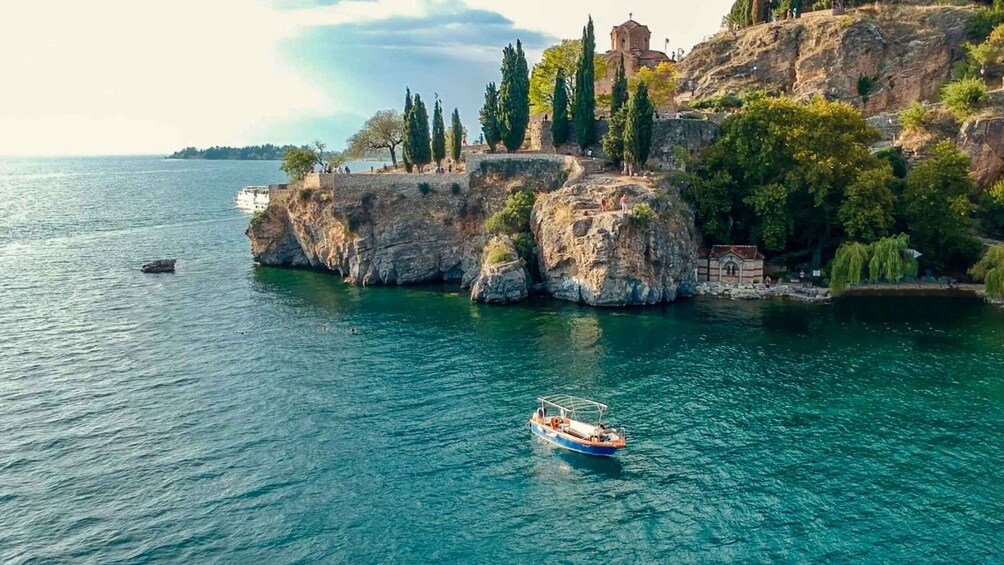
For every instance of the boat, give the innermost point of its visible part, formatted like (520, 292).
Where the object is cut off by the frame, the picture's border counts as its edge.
(252, 198)
(576, 424)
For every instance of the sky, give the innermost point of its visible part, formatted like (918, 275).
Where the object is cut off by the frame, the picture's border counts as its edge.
(121, 77)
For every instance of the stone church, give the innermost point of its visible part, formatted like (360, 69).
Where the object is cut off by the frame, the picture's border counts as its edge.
(633, 41)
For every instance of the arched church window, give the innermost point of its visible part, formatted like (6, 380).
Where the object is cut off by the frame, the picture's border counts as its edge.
(731, 269)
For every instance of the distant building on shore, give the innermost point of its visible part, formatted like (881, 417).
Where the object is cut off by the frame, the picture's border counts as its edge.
(730, 264)
(633, 41)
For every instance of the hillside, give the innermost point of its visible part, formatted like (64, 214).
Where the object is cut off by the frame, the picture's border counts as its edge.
(905, 52)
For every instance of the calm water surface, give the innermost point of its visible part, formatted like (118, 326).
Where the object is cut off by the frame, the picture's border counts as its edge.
(226, 414)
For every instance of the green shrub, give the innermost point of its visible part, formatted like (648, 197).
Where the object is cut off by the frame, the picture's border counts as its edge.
(257, 218)
(525, 246)
(866, 86)
(306, 193)
(720, 103)
(964, 96)
(642, 215)
(895, 157)
(455, 189)
(914, 116)
(983, 22)
(424, 188)
(498, 253)
(514, 217)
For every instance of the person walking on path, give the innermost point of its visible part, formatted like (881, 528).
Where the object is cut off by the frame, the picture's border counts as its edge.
(624, 203)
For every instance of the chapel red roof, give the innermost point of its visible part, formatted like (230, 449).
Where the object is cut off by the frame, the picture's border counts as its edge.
(744, 252)
(630, 24)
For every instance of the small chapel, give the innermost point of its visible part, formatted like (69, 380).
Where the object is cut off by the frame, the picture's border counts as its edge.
(633, 41)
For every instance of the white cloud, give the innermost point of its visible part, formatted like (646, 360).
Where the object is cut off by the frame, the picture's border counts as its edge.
(127, 76)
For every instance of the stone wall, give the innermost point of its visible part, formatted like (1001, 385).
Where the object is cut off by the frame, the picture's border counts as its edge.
(692, 135)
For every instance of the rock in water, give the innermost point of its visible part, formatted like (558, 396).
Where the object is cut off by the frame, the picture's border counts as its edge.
(500, 282)
(609, 257)
(160, 266)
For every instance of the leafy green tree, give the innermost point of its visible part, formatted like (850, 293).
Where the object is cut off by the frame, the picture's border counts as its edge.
(638, 129)
(456, 136)
(660, 82)
(619, 92)
(489, 117)
(894, 155)
(405, 142)
(779, 172)
(297, 163)
(938, 207)
(848, 265)
(514, 97)
(867, 207)
(438, 134)
(990, 270)
(891, 260)
(560, 123)
(564, 58)
(613, 141)
(383, 131)
(417, 132)
(584, 109)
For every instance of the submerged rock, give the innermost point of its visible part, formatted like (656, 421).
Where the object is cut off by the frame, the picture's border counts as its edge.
(594, 253)
(160, 266)
(503, 278)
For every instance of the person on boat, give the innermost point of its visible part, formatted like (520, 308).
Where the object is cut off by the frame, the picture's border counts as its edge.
(540, 414)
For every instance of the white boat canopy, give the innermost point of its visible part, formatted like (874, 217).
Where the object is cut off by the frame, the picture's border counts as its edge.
(576, 408)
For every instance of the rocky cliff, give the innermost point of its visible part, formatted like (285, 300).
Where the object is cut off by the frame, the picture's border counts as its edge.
(904, 51)
(593, 252)
(394, 229)
(406, 229)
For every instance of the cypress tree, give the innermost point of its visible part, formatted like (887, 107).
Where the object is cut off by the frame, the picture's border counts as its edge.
(438, 134)
(619, 94)
(514, 97)
(559, 126)
(638, 129)
(489, 117)
(406, 149)
(585, 97)
(457, 134)
(418, 134)
(613, 141)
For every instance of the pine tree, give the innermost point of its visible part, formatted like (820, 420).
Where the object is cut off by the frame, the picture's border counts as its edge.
(406, 145)
(559, 125)
(514, 97)
(619, 93)
(438, 134)
(457, 135)
(585, 96)
(638, 129)
(418, 134)
(489, 117)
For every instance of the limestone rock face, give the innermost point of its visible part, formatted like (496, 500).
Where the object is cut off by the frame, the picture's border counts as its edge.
(983, 140)
(908, 50)
(396, 228)
(501, 283)
(609, 257)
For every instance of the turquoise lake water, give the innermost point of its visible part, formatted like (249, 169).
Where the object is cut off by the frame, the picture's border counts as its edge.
(226, 414)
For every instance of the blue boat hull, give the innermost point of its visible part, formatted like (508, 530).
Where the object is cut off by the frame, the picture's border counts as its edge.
(550, 436)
